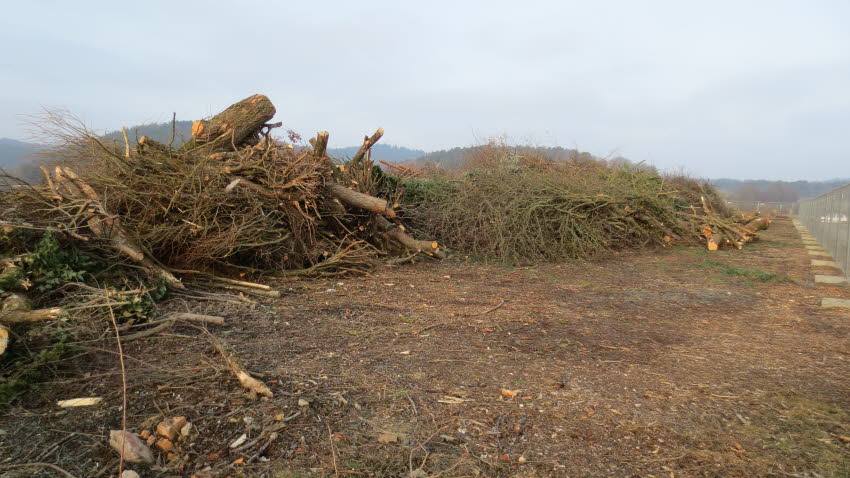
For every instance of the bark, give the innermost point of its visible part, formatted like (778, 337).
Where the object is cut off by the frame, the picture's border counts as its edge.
(757, 224)
(360, 200)
(4, 339)
(237, 123)
(37, 315)
(368, 142)
(147, 144)
(395, 232)
(320, 145)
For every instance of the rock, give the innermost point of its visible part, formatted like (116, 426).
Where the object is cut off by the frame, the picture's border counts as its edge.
(170, 427)
(133, 449)
(129, 474)
(303, 403)
(165, 444)
(186, 430)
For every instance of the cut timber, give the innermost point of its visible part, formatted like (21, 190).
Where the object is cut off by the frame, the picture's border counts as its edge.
(245, 379)
(320, 145)
(368, 142)
(714, 242)
(4, 339)
(429, 247)
(757, 224)
(79, 402)
(360, 200)
(146, 143)
(37, 315)
(237, 123)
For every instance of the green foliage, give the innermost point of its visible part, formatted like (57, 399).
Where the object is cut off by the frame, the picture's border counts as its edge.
(753, 274)
(142, 306)
(51, 265)
(28, 369)
(514, 208)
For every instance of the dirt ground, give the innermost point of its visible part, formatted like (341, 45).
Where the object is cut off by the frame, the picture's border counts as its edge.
(667, 363)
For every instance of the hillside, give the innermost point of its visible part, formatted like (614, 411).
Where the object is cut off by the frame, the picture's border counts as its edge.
(387, 152)
(14, 152)
(449, 158)
(775, 191)
(157, 131)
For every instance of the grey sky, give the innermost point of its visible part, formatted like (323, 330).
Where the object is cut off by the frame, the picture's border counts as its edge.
(743, 89)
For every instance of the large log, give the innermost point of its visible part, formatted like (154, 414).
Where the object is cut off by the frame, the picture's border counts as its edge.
(360, 200)
(237, 123)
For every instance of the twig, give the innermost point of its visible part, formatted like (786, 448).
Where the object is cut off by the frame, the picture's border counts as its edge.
(501, 303)
(333, 448)
(126, 142)
(53, 467)
(123, 385)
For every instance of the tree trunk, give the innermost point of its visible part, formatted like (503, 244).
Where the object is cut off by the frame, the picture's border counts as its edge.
(235, 124)
(360, 200)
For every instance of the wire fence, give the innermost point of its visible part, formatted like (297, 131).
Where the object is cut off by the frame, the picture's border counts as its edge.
(826, 218)
(764, 207)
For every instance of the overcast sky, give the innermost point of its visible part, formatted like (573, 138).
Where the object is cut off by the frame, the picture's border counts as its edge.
(742, 89)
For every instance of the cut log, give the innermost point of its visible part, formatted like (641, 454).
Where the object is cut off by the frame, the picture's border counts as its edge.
(237, 123)
(757, 224)
(360, 200)
(36, 315)
(368, 142)
(393, 231)
(145, 143)
(320, 145)
(714, 241)
(4, 339)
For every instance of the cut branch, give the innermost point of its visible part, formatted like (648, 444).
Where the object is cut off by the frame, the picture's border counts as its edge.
(393, 231)
(360, 200)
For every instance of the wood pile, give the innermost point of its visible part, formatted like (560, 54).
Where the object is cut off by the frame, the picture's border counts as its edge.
(233, 200)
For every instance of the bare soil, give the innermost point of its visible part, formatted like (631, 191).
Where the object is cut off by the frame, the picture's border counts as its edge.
(666, 363)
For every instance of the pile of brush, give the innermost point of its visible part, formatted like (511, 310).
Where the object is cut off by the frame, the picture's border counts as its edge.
(516, 206)
(231, 201)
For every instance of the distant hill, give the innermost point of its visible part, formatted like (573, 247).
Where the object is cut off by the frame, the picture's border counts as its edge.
(157, 131)
(774, 191)
(448, 158)
(387, 152)
(14, 152)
